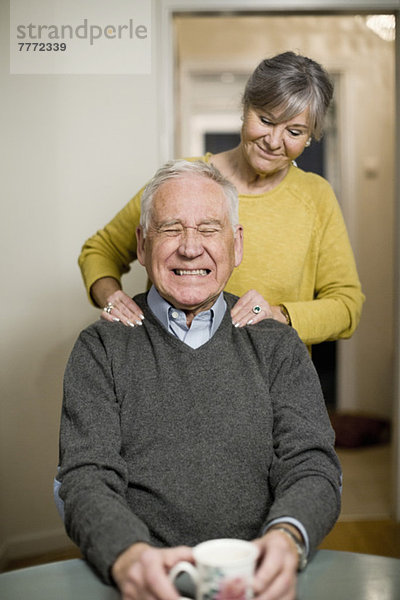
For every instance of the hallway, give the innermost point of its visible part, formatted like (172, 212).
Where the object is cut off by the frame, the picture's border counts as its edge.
(366, 483)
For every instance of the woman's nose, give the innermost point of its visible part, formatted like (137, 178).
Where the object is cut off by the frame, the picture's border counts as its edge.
(274, 138)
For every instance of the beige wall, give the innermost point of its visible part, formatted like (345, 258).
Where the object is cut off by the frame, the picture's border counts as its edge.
(365, 64)
(74, 150)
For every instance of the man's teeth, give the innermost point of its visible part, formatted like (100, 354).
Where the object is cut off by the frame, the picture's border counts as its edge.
(201, 272)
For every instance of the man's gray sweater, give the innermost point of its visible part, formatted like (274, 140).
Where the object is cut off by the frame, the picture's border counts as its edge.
(172, 445)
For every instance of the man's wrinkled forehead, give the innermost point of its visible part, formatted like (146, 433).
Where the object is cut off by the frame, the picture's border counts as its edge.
(206, 198)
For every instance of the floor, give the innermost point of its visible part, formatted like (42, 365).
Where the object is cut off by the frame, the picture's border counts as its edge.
(367, 537)
(366, 483)
(364, 525)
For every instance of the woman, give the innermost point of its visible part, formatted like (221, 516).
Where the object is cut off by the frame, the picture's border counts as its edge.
(297, 253)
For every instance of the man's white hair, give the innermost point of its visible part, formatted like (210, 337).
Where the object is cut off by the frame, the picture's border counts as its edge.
(179, 168)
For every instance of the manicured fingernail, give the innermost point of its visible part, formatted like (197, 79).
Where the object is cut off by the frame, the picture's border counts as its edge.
(236, 324)
(142, 317)
(116, 319)
(138, 322)
(130, 324)
(249, 322)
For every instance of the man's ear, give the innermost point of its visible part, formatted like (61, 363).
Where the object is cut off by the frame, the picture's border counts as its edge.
(141, 241)
(238, 242)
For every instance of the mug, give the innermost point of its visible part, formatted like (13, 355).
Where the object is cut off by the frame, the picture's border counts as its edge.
(224, 569)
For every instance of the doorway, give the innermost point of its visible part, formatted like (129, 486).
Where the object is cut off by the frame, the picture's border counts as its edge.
(363, 176)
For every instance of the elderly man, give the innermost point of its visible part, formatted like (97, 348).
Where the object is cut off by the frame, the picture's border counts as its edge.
(186, 428)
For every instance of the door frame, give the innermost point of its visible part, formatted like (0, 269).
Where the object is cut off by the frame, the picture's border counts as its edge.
(166, 9)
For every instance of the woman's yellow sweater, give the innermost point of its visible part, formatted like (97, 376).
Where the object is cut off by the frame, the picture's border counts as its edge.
(296, 253)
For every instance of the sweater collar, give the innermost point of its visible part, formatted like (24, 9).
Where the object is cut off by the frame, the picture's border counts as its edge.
(206, 322)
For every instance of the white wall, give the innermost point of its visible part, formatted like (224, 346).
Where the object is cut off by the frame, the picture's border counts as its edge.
(74, 150)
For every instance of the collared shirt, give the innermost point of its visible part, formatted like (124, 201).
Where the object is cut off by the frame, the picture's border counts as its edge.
(203, 326)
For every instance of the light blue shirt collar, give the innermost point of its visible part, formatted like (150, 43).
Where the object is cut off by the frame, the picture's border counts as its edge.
(203, 326)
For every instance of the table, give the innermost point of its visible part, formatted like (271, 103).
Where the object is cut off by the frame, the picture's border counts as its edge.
(335, 575)
(331, 575)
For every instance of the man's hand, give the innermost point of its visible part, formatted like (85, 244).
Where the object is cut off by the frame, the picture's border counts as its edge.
(141, 572)
(243, 314)
(276, 574)
(115, 304)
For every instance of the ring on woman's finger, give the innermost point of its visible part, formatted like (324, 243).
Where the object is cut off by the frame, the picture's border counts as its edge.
(256, 309)
(108, 308)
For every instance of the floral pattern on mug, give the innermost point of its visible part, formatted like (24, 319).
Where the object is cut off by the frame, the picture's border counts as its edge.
(221, 588)
(232, 589)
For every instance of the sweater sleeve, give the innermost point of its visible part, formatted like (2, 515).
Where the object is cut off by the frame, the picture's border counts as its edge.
(305, 475)
(335, 310)
(93, 473)
(109, 252)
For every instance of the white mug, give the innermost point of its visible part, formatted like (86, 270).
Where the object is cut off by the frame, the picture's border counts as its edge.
(224, 569)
